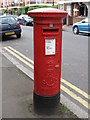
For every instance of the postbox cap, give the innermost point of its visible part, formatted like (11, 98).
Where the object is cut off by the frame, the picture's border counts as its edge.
(47, 12)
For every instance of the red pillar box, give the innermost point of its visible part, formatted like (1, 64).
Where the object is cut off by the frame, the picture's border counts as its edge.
(47, 57)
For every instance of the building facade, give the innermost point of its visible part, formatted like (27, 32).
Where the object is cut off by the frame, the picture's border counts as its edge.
(76, 10)
(12, 3)
(15, 4)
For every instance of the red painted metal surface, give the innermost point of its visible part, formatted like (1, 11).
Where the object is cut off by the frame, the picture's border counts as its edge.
(47, 38)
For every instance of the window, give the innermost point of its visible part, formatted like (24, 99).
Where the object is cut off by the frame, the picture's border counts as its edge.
(21, 0)
(1, 5)
(61, 7)
(12, 3)
(68, 9)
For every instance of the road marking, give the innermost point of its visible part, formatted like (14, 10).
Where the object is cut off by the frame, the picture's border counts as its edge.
(14, 54)
(76, 89)
(64, 100)
(31, 61)
(70, 93)
(83, 102)
(62, 80)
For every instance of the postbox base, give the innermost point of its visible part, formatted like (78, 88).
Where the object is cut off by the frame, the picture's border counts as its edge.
(46, 105)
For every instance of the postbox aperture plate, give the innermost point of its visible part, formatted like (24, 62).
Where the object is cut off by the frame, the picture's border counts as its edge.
(50, 46)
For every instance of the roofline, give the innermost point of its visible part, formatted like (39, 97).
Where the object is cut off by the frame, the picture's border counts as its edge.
(72, 1)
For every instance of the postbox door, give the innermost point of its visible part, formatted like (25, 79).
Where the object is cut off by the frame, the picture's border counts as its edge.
(52, 61)
(50, 67)
(47, 61)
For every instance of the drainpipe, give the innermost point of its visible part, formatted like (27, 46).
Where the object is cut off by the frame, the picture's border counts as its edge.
(89, 9)
(25, 2)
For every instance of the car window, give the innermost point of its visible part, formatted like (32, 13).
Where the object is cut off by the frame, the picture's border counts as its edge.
(4, 20)
(87, 20)
(7, 20)
(11, 20)
(0, 20)
(16, 18)
(26, 16)
(21, 16)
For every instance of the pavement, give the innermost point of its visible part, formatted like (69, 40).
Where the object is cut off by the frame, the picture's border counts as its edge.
(17, 95)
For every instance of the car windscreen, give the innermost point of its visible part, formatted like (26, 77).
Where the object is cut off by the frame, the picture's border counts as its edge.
(7, 20)
(86, 20)
(27, 17)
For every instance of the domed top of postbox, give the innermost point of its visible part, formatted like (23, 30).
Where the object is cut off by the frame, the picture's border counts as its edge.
(47, 12)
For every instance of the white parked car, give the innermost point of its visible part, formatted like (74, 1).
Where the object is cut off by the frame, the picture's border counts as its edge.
(25, 20)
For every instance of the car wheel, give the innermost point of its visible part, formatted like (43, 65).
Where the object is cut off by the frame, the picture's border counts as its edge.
(88, 34)
(27, 24)
(75, 30)
(18, 35)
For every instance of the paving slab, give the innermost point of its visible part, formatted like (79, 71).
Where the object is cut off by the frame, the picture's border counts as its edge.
(17, 95)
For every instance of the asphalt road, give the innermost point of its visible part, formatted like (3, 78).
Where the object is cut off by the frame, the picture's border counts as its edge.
(74, 55)
(74, 58)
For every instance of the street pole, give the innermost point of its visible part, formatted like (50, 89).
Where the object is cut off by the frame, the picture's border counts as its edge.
(36, 2)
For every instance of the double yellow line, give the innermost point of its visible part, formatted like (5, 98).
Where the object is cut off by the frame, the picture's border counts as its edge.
(20, 58)
(30, 63)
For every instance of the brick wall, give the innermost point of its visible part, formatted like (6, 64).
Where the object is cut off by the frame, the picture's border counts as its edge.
(72, 20)
(77, 19)
(69, 20)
